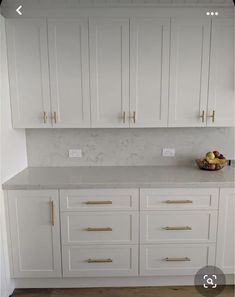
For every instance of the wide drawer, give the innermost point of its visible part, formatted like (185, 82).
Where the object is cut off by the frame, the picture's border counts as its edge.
(178, 226)
(175, 259)
(100, 260)
(178, 199)
(99, 199)
(99, 227)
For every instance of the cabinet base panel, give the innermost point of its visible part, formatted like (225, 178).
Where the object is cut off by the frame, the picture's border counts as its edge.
(110, 282)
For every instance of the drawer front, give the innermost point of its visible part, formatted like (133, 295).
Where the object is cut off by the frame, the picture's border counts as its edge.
(181, 226)
(100, 199)
(100, 260)
(178, 199)
(175, 259)
(100, 227)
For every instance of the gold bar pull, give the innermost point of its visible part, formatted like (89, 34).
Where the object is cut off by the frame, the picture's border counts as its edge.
(109, 260)
(99, 202)
(52, 214)
(178, 201)
(183, 259)
(99, 229)
(185, 228)
(203, 116)
(124, 117)
(55, 117)
(45, 117)
(212, 116)
(133, 117)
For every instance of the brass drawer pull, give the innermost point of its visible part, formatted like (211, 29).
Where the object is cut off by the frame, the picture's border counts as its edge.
(212, 116)
(55, 117)
(133, 117)
(99, 229)
(185, 228)
(124, 117)
(109, 260)
(203, 116)
(178, 201)
(45, 117)
(184, 259)
(52, 214)
(99, 202)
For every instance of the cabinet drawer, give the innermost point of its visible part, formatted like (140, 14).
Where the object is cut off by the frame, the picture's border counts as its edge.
(100, 227)
(180, 226)
(171, 199)
(100, 199)
(175, 259)
(100, 260)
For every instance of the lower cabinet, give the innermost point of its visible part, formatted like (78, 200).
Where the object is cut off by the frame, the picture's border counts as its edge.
(35, 233)
(120, 232)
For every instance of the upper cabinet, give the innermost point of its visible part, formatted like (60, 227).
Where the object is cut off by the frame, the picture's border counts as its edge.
(189, 67)
(28, 72)
(149, 71)
(221, 101)
(109, 71)
(69, 72)
(119, 72)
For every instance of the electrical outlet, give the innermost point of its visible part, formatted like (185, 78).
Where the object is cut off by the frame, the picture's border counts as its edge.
(75, 153)
(168, 152)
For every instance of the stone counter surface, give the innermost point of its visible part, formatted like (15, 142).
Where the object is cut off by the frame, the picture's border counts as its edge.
(119, 177)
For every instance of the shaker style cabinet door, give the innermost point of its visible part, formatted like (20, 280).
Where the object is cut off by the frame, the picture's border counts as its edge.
(225, 258)
(69, 72)
(28, 72)
(221, 84)
(189, 65)
(149, 71)
(35, 233)
(109, 71)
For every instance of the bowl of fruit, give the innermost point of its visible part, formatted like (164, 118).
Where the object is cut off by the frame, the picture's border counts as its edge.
(212, 161)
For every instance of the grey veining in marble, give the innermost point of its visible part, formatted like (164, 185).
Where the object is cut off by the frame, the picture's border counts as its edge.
(120, 177)
(125, 147)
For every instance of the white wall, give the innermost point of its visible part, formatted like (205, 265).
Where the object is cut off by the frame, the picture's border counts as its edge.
(13, 158)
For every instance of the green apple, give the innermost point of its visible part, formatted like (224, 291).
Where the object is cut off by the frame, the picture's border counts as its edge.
(210, 156)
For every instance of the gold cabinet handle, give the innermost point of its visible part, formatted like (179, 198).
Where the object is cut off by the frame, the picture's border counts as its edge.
(91, 202)
(45, 117)
(124, 117)
(183, 259)
(177, 228)
(99, 229)
(55, 117)
(109, 260)
(133, 117)
(202, 116)
(212, 116)
(178, 201)
(52, 214)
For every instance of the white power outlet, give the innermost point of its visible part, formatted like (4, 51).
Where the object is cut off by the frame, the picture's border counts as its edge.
(168, 152)
(75, 153)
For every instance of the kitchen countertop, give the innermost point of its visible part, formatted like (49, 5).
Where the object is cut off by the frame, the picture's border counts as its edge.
(119, 177)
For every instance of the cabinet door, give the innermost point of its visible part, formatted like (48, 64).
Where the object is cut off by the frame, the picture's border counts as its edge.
(221, 83)
(225, 258)
(149, 69)
(69, 72)
(35, 235)
(109, 67)
(189, 65)
(28, 72)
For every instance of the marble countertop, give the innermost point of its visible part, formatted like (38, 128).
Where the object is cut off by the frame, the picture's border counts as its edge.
(119, 177)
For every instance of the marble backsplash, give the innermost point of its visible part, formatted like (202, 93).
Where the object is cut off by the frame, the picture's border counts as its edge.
(110, 147)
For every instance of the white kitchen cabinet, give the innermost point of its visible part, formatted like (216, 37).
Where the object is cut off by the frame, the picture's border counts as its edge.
(109, 71)
(225, 258)
(28, 72)
(149, 71)
(221, 99)
(189, 69)
(35, 233)
(69, 72)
